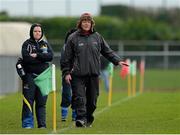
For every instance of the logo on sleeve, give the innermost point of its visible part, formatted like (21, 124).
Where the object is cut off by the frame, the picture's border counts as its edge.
(81, 44)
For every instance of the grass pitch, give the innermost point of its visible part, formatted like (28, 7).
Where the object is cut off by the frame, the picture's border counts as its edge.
(154, 111)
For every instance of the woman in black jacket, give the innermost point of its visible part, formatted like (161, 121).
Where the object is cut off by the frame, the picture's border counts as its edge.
(81, 66)
(36, 54)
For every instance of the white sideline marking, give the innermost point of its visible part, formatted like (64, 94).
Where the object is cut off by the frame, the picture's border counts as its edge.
(114, 104)
(100, 111)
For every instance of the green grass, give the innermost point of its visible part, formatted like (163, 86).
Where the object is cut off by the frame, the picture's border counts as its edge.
(150, 112)
(154, 111)
(153, 80)
(147, 113)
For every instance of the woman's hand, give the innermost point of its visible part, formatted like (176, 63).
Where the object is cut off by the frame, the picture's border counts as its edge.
(122, 63)
(34, 55)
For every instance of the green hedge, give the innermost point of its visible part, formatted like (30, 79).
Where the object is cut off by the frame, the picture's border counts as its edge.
(141, 28)
(146, 29)
(57, 27)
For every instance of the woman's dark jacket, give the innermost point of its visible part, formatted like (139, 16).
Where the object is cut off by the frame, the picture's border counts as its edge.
(82, 54)
(40, 63)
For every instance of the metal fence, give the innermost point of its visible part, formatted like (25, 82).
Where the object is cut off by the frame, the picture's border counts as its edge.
(9, 81)
(157, 54)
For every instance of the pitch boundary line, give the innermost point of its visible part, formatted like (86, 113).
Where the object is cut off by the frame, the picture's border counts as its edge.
(114, 104)
(99, 112)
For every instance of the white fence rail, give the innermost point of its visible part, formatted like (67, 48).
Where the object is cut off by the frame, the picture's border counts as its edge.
(167, 56)
(158, 54)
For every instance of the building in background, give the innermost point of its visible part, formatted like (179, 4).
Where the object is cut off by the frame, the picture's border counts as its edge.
(12, 35)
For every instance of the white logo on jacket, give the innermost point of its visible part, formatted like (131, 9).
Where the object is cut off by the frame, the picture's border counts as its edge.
(80, 44)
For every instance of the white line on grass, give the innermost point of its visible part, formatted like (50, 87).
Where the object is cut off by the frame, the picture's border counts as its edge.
(114, 104)
(100, 111)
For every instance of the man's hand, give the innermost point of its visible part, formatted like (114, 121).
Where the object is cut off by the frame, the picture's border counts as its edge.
(68, 78)
(122, 63)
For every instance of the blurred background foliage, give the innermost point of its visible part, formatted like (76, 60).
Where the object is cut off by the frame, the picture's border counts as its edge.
(116, 22)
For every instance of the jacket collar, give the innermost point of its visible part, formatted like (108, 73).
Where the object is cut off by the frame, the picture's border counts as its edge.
(85, 34)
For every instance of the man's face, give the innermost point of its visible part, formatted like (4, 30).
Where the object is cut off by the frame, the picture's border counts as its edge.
(86, 25)
(37, 33)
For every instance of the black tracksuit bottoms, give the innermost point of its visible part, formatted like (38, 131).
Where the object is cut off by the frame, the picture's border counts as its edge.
(32, 93)
(85, 91)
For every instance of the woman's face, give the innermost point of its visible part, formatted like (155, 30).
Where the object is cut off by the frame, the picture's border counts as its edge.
(86, 25)
(37, 33)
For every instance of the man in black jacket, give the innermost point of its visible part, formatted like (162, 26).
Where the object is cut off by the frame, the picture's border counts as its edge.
(36, 54)
(81, 67)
